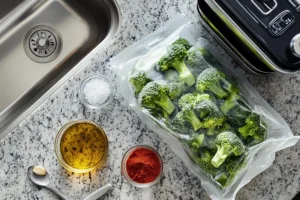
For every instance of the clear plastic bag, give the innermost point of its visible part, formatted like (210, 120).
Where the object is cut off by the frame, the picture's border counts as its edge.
(143, 56)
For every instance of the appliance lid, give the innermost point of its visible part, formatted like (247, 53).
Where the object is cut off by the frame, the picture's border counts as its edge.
(271, 25)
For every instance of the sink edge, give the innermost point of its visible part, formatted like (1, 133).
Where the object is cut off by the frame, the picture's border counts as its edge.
(111, 36)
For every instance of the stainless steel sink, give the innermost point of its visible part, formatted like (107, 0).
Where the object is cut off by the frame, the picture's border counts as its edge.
(42, 44)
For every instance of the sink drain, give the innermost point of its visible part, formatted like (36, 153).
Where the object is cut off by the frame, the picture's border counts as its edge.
(42, 43)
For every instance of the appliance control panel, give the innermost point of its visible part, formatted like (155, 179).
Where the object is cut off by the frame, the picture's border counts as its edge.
(281, 23)
(274, 25)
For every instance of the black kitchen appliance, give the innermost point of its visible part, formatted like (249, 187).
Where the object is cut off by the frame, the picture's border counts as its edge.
(263, 35)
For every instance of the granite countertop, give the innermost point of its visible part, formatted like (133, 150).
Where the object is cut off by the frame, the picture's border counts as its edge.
(31, 142)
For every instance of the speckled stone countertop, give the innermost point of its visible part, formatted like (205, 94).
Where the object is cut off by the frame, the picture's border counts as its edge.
(31, 143)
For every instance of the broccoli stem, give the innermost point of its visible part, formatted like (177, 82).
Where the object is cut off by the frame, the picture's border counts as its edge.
(211, 130)
(193, 119)
(230, 102)
(227, 106)
(184, 72)
(220, 156)
(218, 91)
(166, 104)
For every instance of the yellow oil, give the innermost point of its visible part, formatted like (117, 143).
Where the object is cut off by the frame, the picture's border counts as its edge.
(83, 145)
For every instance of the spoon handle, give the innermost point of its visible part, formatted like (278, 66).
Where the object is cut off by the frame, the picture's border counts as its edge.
(99, 193)
(57, 192)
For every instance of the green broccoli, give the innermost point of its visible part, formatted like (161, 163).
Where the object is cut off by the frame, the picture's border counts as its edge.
(210, 115)
(210, 81)
(234, 164)
(227, 143)
(198, 141)
(222, 179)
(155, 95)
(139, 79)
(185, 118)
(176, 89)
(225, 127)
(172, 76)
(206, 107)
(211, 143)
(196, 61)
(192, 99)
(231, 102)
(175, 59)
(187, 103)
(254, 128)
(204, 162)
(213, 121)
(237, 116)
(183, 42)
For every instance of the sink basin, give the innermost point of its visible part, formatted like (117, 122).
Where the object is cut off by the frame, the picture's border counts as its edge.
(42, 44)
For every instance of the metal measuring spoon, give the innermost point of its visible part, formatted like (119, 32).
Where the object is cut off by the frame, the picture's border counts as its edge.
(43, 180)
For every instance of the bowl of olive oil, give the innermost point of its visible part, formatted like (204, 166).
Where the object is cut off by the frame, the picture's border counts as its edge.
(81, 146)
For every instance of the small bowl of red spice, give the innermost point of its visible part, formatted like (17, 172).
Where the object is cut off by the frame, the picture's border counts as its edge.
(142, 166)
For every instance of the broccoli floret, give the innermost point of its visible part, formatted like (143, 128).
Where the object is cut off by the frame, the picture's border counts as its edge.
(235, 163)
(183, 42)
(204, 162)
(210, 115)
(222, 179)
(138, 80)
(176, 89)
(237, 116)
(187, 104)
(232, 165)
(175, 59)
(210, 81)
(206, 107)
(198, 141)
(225, 127)
(192, 99)
(231, 102)
(254, 129)
(227, 143)
(213, 121)
(186, 117)
(211, 143)
(196, 61)
(155, 95)
(172, 76)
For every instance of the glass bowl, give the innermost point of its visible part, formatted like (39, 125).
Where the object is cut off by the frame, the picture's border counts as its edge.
(124, 170)
(82, 95)
(57, 147)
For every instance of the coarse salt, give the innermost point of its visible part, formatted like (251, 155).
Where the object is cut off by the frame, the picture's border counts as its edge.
(96, 91)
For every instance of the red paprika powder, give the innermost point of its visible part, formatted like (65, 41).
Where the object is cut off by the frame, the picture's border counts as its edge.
(143, 166)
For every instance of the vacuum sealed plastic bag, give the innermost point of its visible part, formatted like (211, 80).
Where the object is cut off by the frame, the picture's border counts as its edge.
(209, 115)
